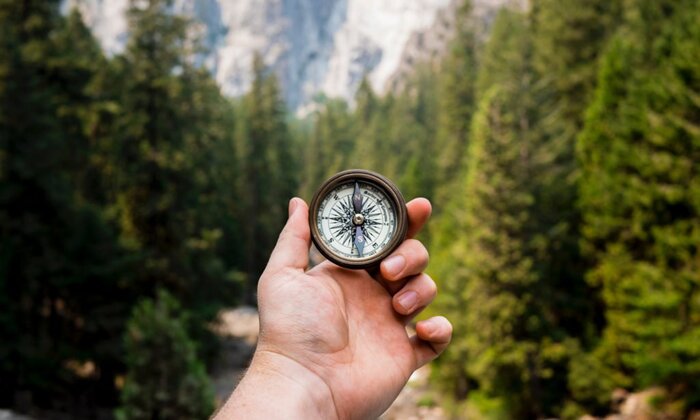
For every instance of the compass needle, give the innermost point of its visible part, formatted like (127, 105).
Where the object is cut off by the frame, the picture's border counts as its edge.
(359, 240)
(357, 199)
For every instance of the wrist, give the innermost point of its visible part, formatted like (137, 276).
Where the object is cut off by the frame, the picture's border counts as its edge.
(277, 386)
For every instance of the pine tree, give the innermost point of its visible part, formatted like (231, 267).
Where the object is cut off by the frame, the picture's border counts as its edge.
(162, 143)
(151, 180)
(405, 150)
(639, 189)
(270, 172)
(164, 380)
(456, 101)
(417, 176)
(569, 37)
(169, 122)
(510, 354)
(61, 262)
(330, 145)
(370, 129)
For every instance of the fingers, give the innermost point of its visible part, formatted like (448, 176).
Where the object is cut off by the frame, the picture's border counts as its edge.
(415, 295)
(432, 337)
(419, 210)
(410, 258)
(292, 249)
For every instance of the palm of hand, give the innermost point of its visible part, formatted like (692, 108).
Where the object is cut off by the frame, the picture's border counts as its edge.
(340, 325)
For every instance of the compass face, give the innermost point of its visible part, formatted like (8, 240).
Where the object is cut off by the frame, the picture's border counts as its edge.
(357, 218)
(337, 221)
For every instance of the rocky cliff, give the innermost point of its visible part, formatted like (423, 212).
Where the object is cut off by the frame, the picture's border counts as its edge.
(314, 46)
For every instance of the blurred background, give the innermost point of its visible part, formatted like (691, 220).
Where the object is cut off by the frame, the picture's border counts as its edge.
(148, 149)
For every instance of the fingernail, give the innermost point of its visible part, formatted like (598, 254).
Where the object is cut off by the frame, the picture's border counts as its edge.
(292, 206)
(394, 265)
(407, 300)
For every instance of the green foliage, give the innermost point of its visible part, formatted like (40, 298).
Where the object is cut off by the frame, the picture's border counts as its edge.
(639, 152)
(569, 36)
(164, 379)
(329, 146)
(457, 92)
(61, 263)
(507, 259)
(115, 179)
(514, 347)
(168, 124)
(593, 377)
(156, 150)
(371, 129)
(269, 169)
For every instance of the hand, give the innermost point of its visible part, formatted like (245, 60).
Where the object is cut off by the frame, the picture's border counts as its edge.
(332, 341)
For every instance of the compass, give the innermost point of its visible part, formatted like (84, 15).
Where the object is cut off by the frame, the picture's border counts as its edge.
(357, 218)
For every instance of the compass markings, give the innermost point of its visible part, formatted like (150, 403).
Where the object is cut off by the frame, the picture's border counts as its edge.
(338, 220)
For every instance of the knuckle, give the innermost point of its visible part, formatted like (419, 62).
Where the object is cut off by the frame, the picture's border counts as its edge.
(417, 250)
(285, 234)
(289, 234)
(413, 243)
(430, 286)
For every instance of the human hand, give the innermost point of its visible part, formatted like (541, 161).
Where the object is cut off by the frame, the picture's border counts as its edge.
(333, 342)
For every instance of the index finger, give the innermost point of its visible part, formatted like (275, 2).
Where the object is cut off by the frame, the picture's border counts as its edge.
(419, 210)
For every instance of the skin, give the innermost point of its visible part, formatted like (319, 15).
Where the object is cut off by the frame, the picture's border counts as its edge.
(333, 342)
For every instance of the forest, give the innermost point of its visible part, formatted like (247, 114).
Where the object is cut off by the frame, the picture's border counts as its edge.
(561, 153)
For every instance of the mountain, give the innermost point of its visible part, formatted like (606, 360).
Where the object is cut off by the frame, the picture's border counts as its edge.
(316, 47)
(429, 44)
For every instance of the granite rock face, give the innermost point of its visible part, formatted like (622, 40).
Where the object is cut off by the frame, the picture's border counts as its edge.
(316, 47)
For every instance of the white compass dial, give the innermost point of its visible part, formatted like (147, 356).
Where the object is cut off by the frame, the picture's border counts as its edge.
(356, 235)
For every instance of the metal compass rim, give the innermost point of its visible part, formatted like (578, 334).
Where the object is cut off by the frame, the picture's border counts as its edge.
(385, 186)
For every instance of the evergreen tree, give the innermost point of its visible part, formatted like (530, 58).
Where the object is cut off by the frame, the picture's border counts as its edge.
(417, 173)
(639, 152)
(406, 149)
(214, 247)
(61, 263)
(329, 147)
(371, 126)
(151, 183)
(456, 101)
(269, 172)
(510, 356)
(569, 37)
(163, 142)
(164, 380)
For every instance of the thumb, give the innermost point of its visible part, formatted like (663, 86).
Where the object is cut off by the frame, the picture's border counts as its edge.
(292, 249)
